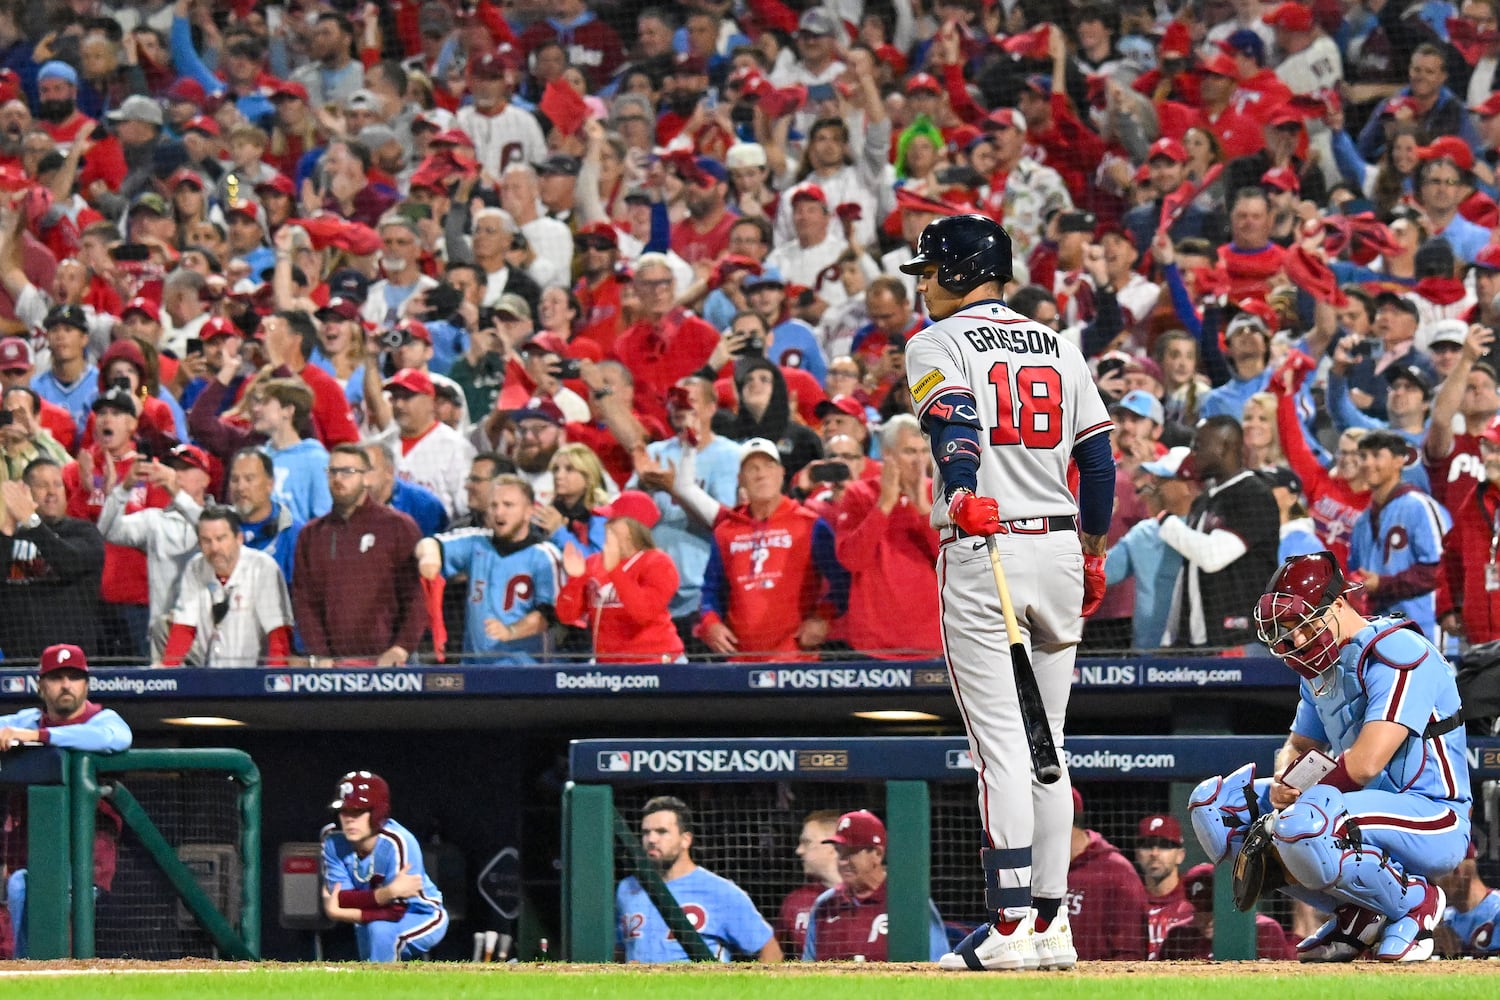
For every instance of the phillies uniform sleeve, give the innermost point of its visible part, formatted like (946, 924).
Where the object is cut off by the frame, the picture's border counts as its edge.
(104, 732)
(1398, 680)
(335, 873)
(1306, 722)
(458, 550)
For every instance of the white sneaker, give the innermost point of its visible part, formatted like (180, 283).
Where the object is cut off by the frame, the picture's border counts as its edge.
(987, 949)
(1054, 946)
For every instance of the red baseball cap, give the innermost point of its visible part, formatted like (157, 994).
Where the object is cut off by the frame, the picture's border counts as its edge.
(547, 342)
(603, 229)
(1487, 258)
(1290, 16)
(846, 405)
(1448, 147)
(451, 137)
(15, 353)
(219, 327)
(1160, 827)
(288, 88)
(412, 380)
(1221, 65)
(202, 123)
(186, 90)
(415, 329)
(1282, 178)
(1489, 108)
(634, 504)
(1198, 884)
(63, 656)
(924, 81)
(1176, 42)
(493, 65)
(192, 456)
(1398, 103)
(1169, 148)
(1007, 118)
(858, 829)
(186, 176)
(280, 184)
(808, 191)
(140, 305)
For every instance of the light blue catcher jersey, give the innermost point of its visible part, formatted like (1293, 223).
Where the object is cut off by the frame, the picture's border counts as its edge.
(1404, 679)
(395, 850)
(716, 907)
(504, 586)
(1408, 531)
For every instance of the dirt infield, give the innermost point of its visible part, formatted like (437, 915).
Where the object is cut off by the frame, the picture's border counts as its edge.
(1087, 970)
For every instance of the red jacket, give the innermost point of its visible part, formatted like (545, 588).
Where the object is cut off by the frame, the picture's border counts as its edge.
(124, 567)
(1106, 904)
(330, 411)
(888, 554)
(1162, 912)
(1460, 468)
(599, 308)
(1070, 147)
(660, 353)
(1466, 553)
(1333, 506)
(626, 608)
(602, 442)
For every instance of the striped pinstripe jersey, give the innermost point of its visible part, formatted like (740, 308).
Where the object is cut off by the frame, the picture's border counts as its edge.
(1030, 392)
(395, 849)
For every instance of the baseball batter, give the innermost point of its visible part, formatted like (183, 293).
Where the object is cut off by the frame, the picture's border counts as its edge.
(1370, 803)
(1006, 403)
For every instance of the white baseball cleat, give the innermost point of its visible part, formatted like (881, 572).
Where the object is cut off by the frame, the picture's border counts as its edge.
(1054, 946)
(1348, 934)
(987, 949)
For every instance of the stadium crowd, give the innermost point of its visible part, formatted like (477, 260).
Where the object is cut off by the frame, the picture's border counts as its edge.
(333, 331)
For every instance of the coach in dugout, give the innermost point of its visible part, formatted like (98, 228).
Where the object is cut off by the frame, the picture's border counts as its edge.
(67, 720)
(849, 921)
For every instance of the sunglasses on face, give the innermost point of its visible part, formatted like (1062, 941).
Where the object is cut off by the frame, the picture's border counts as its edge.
(593, 243)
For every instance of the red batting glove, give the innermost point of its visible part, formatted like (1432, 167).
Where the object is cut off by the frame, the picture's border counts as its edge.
(975, 515)
(1093, 584)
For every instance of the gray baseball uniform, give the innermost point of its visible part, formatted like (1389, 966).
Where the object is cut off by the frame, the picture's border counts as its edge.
(1035, 400)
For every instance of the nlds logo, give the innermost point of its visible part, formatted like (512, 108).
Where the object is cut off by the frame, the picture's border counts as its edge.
(1112, 676)
(279, 683)
(614, 760)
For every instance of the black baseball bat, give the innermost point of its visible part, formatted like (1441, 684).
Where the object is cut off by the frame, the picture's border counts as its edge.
(1044, 762)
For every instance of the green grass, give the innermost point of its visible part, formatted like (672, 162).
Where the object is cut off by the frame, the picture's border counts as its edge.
(1456, 980)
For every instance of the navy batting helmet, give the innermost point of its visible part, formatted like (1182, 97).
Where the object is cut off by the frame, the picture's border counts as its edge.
(362, 790)
(968, 250)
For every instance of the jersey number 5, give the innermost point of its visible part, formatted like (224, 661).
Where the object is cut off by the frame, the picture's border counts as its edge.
(1039, 422)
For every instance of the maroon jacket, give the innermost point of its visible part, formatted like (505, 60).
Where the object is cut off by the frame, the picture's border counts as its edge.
(1162, 912)
(846, 925)
(1185, 940)
(791, 921)
(358, 592)
(1106, 904)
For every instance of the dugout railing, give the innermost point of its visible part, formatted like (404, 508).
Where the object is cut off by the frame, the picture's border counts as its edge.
(922, 786)
(175, 875)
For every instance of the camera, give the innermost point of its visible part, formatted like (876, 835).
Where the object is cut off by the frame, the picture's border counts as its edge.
(442, 301)
(1110, 366)
(121, 382)
(755, 347)
(832, 471)
(742, 114)
(391, 340)
(567, 368)
(488, 317)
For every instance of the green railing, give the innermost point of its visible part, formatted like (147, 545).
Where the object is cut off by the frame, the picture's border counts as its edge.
(64, 789)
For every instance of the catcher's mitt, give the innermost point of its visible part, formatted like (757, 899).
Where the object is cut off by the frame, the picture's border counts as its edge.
(1257, 868)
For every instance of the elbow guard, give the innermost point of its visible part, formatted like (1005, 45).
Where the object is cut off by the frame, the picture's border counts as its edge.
(952, 425)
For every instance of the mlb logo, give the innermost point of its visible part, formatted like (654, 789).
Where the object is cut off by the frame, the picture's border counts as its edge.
(763, 678)
(614, 760)
(960, 760)
(279, 683)
(13, 685)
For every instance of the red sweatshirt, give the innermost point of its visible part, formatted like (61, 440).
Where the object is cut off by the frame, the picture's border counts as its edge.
(1466, 552)
(330, 411)
(662, 352)
(1070, 147)
(1162, 912)
(626, 608)
(888, 554)
(1106, 904)
(1332, 504)
(124, 567)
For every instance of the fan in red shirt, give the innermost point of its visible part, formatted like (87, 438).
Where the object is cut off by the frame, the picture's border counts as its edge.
(703, 237)
(1238, 133)
(57, 105)
(622, 595)
(1193, 937)
(666, 343)
(597, 249)
(1468, 596)
(1335, 498)
(1159, 853)
(1066, 144)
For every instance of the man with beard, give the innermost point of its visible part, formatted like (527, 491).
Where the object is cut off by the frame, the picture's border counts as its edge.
(1159, 854)
(49, 565)
(703, 237)
(503, 133)
(266, 525)
(69, 721)
(15, 122)
(400, 259)
(514, 576)
(539, 433)
(358, 592)
(232, 607)
(331, 74)
(57, 104)
(732, 924)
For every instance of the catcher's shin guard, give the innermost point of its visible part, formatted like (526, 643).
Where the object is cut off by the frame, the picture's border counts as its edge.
(1320, 850)
(1221, 811)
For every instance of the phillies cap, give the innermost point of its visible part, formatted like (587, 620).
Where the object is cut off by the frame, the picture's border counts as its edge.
(601, 229)
(144, 306)
(1448, 147)
(858, 829)
(64, 656)
(280, 184)
(412, 380)
(202, 123)
(539, 408)
(1198, 885)
(845, 405)
(760, 446)
(1489, 257)
(1142, 404)
(1169, 148)
(289, 88)
(15, 354)
(633, 504)
(185, 176)
(1221, 65)
(547, 342)
(1282, 178)
(219, 327)
(190, 456)
(808, 191)
(1290, 16)
(1007, 118)
(1160, 827)
(924, 81)
(339, 307)
(1168, 465)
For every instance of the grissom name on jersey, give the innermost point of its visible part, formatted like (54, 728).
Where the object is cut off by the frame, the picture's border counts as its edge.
(1029, 390)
